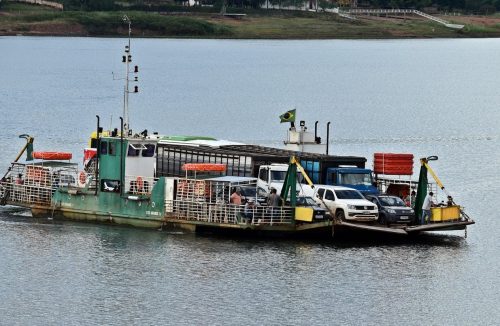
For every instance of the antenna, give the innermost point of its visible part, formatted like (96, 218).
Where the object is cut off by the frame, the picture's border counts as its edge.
(127, 58)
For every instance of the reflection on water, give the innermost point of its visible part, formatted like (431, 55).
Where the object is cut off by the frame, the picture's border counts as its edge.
(129, 272)
(444, 103)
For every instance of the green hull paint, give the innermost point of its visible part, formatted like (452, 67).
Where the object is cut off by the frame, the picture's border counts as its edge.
(109, 207)
(82, 216)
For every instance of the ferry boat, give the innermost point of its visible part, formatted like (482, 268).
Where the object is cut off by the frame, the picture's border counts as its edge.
(149, 180)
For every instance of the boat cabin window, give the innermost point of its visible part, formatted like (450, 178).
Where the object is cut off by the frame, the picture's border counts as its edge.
(135, 149)
(110, 185)
(112, 148)
(149, 151)
(104, 147)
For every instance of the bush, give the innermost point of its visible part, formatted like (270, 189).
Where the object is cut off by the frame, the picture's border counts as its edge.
(103, 23)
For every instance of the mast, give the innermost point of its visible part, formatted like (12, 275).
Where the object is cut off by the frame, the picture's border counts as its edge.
(127, 59)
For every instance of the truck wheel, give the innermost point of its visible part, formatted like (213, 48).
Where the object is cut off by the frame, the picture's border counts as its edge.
(340, 215)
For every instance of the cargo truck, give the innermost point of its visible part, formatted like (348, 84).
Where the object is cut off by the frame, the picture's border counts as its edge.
(352, 177)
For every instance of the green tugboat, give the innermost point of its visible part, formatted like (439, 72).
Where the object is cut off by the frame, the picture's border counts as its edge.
(154, 181)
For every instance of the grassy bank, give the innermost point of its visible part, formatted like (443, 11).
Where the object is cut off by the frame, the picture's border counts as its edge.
(36, 20)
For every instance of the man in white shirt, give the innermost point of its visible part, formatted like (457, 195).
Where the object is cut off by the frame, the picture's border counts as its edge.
(426, 208)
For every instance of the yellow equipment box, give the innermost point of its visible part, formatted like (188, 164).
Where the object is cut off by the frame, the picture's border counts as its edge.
(444, 214)
(304, 214)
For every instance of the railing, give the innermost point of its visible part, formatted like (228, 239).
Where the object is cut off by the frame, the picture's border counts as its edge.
(402, 11)
(379, 11)
(139, 185)
(36, 183)
(222, 213)
(209, 201)
(27, 194)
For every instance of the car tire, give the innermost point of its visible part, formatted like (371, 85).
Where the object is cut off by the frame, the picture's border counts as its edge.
(381, 219)
(340, 215)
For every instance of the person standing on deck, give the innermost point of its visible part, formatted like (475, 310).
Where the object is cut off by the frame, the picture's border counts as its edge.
(410, 199)
(273, 200)
(250, 207)
(426, 208)
(235, 197)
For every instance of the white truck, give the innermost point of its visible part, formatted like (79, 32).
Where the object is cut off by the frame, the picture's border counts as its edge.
(346, 204)
(273, 176)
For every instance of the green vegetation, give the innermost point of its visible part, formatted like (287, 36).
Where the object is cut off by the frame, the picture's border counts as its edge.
(109, 22)
(204, 22)
(105, 23)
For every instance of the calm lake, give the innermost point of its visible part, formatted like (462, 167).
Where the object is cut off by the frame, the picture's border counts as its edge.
(426, 97)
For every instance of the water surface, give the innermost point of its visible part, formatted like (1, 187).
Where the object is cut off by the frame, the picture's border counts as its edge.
(427, 97)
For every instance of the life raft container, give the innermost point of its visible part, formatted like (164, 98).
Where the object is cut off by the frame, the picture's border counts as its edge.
(50, 156)
(393, 164)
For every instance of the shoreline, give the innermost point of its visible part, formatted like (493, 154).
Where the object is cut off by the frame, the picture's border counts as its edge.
(255, 25)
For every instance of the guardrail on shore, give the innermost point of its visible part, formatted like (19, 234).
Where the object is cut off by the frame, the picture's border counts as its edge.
(402, 11)
(51, 4)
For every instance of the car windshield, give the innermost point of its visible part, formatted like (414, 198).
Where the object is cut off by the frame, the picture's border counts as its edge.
(391, 201)
(355, 179)
(348, 194)
(248, 191)
(278, 176)
(305, 201)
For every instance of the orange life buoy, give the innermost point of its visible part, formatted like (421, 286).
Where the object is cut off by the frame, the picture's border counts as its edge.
(82, 178)
(52, 156)
(140, 183)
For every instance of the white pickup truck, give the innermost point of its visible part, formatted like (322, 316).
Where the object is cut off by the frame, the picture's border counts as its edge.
(347, 204)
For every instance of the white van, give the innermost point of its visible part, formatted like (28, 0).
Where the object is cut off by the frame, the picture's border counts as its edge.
(346, 203)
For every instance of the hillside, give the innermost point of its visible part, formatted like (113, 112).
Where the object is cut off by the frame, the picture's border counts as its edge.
(23, 19)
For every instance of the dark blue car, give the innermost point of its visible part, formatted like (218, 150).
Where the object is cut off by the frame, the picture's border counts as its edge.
(392, 210)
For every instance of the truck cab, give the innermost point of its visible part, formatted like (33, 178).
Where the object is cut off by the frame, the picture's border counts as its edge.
(273, 176)
(352, 177)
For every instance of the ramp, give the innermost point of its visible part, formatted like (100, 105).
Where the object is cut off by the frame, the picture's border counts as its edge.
(372, 228)
(443, 226)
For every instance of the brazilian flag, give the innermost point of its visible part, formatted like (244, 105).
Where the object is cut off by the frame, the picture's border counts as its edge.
(288, 116)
